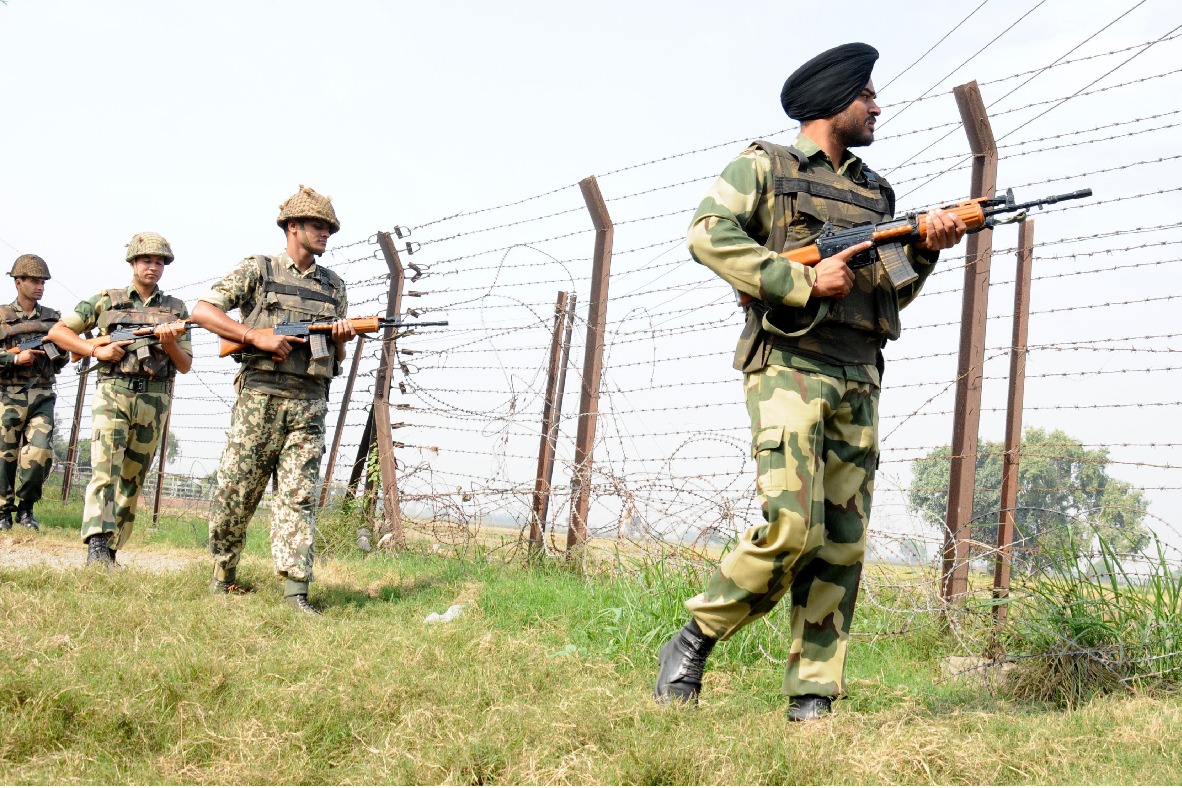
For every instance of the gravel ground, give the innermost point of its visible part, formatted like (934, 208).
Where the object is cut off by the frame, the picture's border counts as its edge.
(20, 548)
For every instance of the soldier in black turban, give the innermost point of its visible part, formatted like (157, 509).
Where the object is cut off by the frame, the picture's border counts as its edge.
(813, 338)
(826, 85)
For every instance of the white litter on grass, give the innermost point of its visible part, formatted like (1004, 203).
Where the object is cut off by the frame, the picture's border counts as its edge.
(452, 614)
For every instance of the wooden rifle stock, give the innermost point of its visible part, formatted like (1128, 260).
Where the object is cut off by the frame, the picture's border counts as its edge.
(969, 211)
(127, 335)
(362, 325)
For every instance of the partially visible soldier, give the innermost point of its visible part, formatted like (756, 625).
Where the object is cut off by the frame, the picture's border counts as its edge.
(134, 390)
(277, 425)
(26, 394)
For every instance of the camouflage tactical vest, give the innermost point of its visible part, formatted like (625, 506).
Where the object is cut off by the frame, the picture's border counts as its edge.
(850, 330)
(288, 298)
(143, 358)
(14, 329)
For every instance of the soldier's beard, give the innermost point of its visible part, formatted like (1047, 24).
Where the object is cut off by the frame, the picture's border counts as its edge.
(852, 132)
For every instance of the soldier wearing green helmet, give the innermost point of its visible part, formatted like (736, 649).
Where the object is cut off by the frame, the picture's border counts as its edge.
(277, 427)
(27, 397)
(134, 389)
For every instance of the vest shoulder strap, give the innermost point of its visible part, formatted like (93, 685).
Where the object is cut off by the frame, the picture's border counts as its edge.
(324, 278)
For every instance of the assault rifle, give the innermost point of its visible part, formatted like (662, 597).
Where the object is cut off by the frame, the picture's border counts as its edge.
(317, 333)
(146, 332)
(43, 344)
(890, 236)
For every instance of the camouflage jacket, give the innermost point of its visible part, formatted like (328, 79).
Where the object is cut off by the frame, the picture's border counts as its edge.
(90, 313)
(17, 325)
(244, 289)
(729, 234)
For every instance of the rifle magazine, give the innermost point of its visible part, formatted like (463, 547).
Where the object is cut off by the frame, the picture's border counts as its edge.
(898, 267)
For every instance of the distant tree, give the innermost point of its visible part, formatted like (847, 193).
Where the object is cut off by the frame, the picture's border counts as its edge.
(1060, 483)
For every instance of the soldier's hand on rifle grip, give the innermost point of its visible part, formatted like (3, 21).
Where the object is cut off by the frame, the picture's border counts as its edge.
(943, 230)
(342, 330)
(277, 345)
(167, 333)
(27, 357)
(835, 279)
(113, 351)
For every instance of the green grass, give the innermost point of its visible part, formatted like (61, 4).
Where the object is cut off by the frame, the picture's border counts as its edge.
(134, 677)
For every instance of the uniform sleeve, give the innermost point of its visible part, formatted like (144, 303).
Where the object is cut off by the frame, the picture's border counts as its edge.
(185, 340)
(7, 359)
(724, 235)
(236, 287)
(85, 315)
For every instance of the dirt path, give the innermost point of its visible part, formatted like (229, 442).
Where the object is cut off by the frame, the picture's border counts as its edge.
(20, 549)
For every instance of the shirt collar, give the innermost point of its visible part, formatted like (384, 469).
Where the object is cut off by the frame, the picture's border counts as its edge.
(851, 165)
(285, 260)
(133, 295)
(16, 305)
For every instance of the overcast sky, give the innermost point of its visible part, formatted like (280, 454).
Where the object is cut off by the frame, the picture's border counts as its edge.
(196, 119)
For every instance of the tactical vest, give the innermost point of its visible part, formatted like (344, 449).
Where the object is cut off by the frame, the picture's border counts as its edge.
(849, 330)
(286, 298)
(14, 329)
(143, 358)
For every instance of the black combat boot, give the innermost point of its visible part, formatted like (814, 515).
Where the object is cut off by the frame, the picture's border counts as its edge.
(24, 516)
(222, 586)
(98, 553)
(5, 520)
(682, 661)
(808, 707)
(295, 595)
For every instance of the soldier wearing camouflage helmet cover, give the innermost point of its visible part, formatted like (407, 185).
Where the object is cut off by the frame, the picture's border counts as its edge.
(27, 397)
(812, 363)
(134, 389)
(278, 422)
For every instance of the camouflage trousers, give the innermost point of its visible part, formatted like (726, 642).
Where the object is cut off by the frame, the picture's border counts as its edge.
(127, 431)
(26, 443)
(269, 435)
(815, 441)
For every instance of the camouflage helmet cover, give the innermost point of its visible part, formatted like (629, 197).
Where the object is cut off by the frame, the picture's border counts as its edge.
(149, 243)
(29, 265)
(308, 204)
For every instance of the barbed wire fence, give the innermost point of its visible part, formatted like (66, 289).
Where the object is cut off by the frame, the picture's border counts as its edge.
(672, 473)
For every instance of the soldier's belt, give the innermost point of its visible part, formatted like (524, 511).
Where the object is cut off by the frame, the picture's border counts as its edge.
(140, 385)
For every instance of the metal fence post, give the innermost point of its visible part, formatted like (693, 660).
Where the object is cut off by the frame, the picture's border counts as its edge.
(160, 466)
(76, 424)
(551, 413)
(1009, 469)
(336, 437)
(592, 362)
(974, 311)
(392, 515)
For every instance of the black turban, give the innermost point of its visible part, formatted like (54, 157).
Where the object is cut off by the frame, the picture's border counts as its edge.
(828, 83)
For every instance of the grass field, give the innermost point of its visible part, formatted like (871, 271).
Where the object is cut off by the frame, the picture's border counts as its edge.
(139, 676)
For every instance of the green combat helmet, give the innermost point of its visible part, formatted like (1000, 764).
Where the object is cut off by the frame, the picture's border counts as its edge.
(29, 265)
(149, 243)
(307, 204)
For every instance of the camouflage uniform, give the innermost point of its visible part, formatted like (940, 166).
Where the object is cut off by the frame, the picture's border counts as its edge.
(27, 400)
(278, 423)
(812, 374)
(130, 404)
